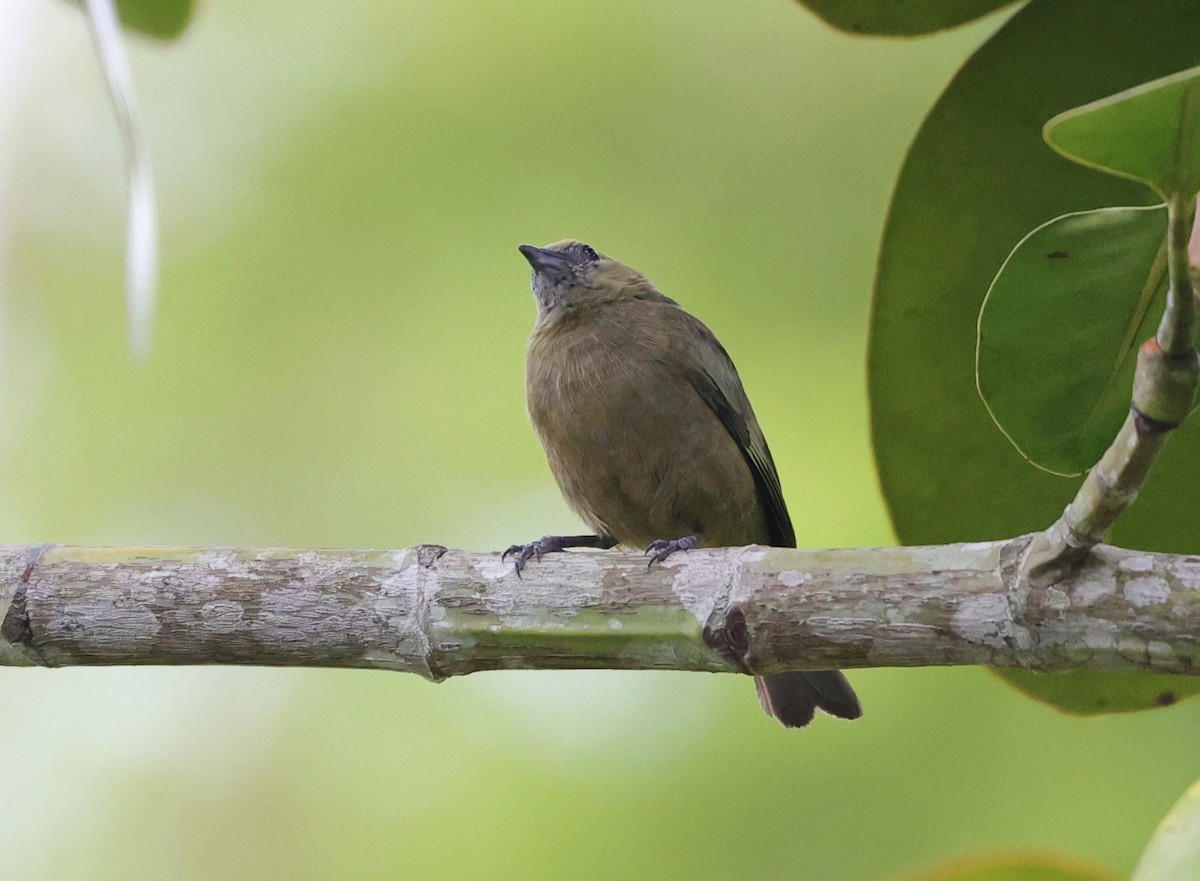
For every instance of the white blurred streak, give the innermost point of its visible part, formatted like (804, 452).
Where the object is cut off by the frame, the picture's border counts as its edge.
(141, 248)
(241, 88)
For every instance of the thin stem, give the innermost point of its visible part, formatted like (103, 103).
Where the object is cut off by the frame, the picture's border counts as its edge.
(1177, 331)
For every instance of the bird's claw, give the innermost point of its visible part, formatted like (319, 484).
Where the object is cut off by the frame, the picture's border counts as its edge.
(522, 554)
(663, 547)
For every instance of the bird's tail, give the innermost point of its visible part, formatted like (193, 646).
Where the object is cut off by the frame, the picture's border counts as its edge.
(792, 698)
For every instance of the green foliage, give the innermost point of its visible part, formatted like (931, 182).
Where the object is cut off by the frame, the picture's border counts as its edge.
(1150, 133)
(1060, 327)
(1055, 377)
(977, 179)
(1066, 293)
(896, 18)
(1173, 854)
(1086, 692)
(164, 19)
(1174, 850)
(1031, 867)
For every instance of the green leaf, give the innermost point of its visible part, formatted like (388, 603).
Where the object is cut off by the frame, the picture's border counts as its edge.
(165, 19)
(1147, 133)
(1173, 853)
(1060, 327)
(1018, 867)
(1088, 692)
(899, 18)
(977, 179)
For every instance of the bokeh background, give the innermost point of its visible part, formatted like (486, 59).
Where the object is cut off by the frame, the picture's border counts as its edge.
(337, 361)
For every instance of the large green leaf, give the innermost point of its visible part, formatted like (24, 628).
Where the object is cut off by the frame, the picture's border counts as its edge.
(165, 19)
(1084, 692)
(898, 18)
(1060, 327)
(977, 179)
(1148, 133)
(1173, 853)
(1018, 867)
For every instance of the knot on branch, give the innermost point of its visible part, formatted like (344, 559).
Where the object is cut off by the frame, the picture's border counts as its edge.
(16, 628)
(1164, 387)
(726, 634)
(427, 555)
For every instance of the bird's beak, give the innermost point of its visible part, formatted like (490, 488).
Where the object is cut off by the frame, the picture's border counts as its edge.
(545, 261)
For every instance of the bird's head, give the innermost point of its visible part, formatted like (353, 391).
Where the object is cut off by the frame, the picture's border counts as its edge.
(570, 274)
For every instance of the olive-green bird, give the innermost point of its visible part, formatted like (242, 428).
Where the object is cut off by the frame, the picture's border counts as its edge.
(651, 437)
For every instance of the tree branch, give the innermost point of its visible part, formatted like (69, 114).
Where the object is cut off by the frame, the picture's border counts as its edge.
(439, 613)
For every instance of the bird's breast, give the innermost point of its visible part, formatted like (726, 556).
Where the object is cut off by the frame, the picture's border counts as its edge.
(634, 449)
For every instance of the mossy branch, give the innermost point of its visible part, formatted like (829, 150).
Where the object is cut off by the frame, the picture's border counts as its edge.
(440, 613)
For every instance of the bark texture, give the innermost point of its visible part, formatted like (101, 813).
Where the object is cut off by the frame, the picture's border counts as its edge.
(440, 613)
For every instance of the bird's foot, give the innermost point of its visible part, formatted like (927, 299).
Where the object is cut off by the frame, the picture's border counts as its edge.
(522, 554)
(663, 548)
(552, 544)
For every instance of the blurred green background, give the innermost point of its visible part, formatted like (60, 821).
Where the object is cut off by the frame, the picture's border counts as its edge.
(337, 361)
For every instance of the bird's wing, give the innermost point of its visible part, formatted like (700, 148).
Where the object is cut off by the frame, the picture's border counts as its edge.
(711, 373)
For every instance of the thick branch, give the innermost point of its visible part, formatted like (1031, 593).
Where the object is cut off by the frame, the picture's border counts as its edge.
(443, 613)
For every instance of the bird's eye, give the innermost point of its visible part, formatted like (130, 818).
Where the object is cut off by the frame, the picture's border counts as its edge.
(589, 253)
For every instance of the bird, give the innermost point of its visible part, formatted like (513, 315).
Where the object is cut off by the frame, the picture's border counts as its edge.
(651, 437)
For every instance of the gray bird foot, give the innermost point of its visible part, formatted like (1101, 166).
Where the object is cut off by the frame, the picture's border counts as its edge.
(663, 548)
(522, 554)
(552, 544)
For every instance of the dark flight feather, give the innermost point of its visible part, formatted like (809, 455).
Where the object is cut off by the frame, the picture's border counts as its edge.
(791, 698)
(717, 384)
